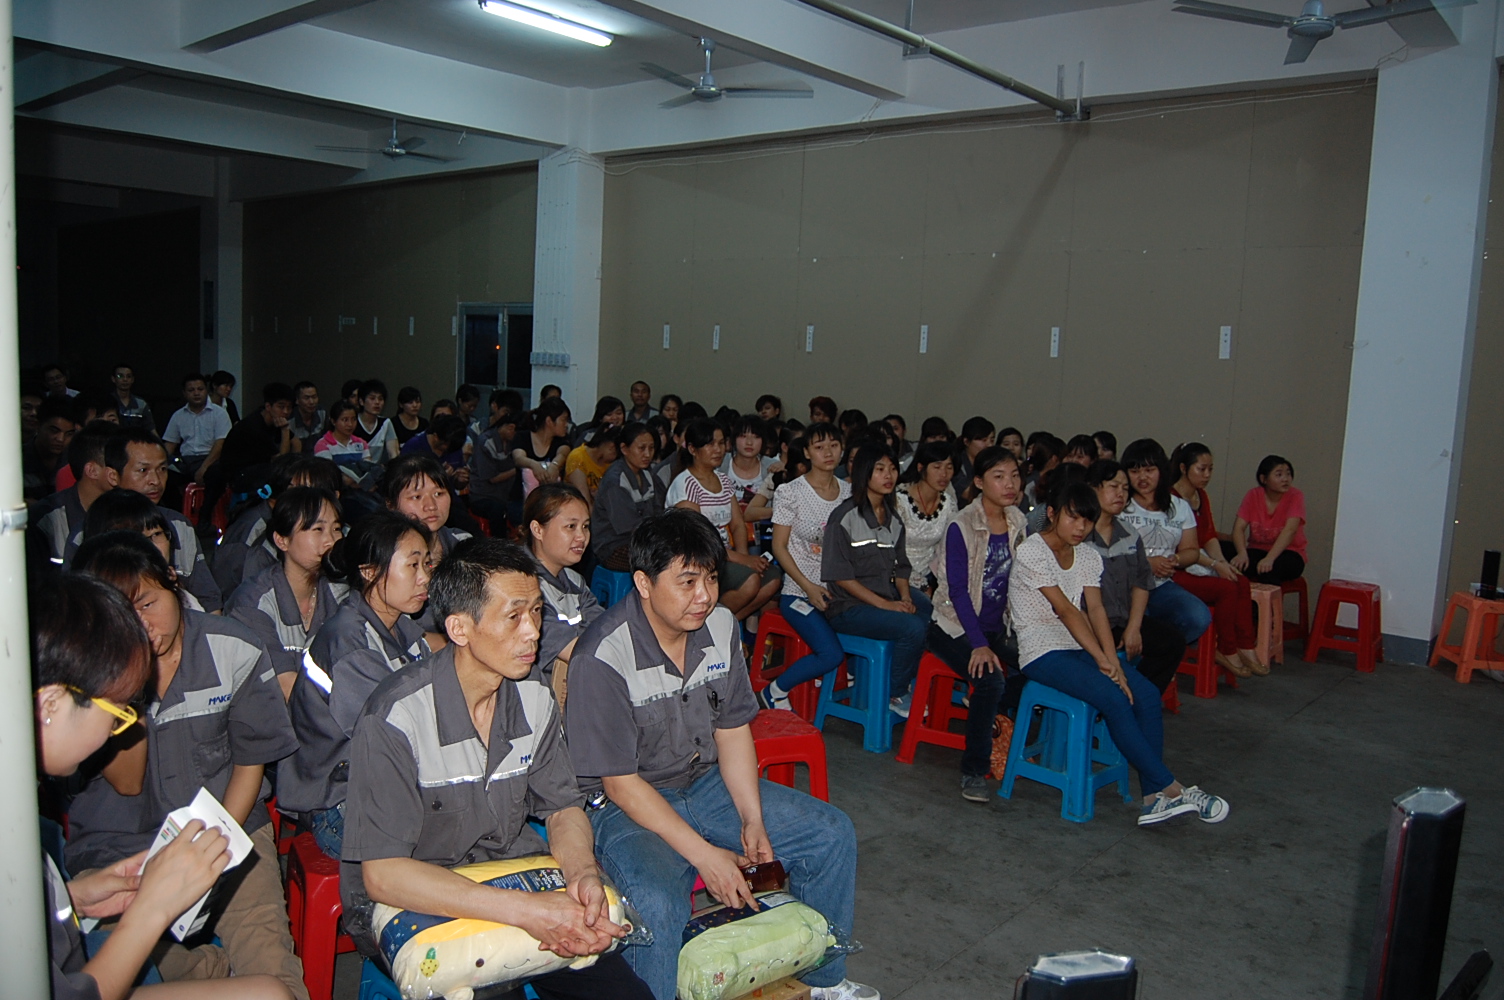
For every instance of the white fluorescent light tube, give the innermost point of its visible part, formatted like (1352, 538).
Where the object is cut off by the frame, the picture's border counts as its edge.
(548, 22)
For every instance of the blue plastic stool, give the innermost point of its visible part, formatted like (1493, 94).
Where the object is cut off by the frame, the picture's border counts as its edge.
(609, 585)
(1067, 748)
(865, 701)
(374, 985)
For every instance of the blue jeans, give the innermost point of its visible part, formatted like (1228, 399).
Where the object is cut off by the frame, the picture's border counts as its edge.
(905, 631)
(814, 840)
(1137, 728)
(328, 828)
(1170, 602)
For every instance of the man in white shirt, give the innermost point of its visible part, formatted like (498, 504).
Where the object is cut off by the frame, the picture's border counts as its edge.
(196, 432)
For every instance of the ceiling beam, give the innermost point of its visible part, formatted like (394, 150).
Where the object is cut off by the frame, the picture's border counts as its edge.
(778, 32)
(312, 64)
(44, 78)
(208, 25)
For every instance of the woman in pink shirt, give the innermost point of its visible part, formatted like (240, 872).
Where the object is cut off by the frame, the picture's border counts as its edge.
(1269, 536)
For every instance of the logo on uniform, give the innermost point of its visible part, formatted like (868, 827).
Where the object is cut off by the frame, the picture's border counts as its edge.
(712, 668)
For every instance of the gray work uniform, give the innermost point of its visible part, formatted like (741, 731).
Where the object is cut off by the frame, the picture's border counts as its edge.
(59, 518)
(65, 941)
(623, 501)
(348, 658)
(424, 786)
(222, 709)
(448, 539)
(245, 534)
(631, 711)
(857, 548)
(268, 606)
(568, 608)
(490, 457)
(1124, 566)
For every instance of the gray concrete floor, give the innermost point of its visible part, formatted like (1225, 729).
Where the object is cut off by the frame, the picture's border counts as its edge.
(955, 899)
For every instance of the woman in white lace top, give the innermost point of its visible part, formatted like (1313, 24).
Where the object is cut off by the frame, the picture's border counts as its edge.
(926, 506)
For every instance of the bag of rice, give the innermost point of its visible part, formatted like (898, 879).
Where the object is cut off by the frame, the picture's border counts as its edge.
(431, 957)
(728, 953)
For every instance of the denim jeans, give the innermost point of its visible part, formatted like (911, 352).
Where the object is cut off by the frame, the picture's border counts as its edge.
(986, 691)
(328, 828)
(905, 631)
(1173, 603)
(1137, 728)
(814, 840)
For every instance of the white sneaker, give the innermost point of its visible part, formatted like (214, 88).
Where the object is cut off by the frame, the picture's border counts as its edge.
(844, 990)
(1210, 808)
(1165, 808)
(770, 697)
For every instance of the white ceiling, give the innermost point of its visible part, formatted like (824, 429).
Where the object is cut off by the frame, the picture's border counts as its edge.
(280, 78)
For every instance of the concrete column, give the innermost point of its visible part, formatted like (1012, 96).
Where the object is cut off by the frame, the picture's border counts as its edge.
(567, 276)
(223, 266)
(1413, 343)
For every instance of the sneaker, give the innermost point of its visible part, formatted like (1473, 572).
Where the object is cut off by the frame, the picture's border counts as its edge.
(769, 697)
(1211, 808)
(974, 788)
(844, 990)
(900, 706)
(1165, 808)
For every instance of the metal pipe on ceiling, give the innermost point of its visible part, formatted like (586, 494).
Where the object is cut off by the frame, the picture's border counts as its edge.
(1070, 109)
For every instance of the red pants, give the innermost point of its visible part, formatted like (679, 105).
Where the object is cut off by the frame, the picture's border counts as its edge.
(1231, 603)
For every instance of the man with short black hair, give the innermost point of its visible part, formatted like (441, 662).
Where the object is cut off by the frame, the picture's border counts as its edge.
(642, 405)
(307, 417)
(196, 431)
(451, 756)
(55, 378)
(60, 516)
(659, 726)
(258, 439)
(47, 452)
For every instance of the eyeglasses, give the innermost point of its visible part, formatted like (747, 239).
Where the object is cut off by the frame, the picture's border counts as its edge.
(125, 713)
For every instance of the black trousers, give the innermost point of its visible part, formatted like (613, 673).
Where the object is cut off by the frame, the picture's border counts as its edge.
(1164, 647)
(1287, 565)
(610, 978)
(987, 691)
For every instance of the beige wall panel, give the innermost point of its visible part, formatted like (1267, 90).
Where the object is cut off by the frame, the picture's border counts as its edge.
(989, 317)
(748, 207)
(649, 212)
(1007, 190)
(1163, 181)
(866, 199)
(1309, 182)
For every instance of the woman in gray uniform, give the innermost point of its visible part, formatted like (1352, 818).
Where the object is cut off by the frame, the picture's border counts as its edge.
(628, 494)
(90, 660)
(286, 604)
(385, 561)
(558, 532)
(416, 487)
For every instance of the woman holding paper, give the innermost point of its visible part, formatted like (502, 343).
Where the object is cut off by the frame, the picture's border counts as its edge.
(90, 660)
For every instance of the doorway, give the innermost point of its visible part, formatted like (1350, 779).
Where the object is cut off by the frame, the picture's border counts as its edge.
(496, 344)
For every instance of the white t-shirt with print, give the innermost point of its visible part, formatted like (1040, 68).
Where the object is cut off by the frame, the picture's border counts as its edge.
(1161, 530)
(797, 506)
(1039, 629)
(715, 506)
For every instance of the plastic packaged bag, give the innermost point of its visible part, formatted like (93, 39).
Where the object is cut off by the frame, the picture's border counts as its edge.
(431, 956)
(728, 953)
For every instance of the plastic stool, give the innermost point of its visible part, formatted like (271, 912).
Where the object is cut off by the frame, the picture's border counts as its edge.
(374, 984)
(1066, 752)
(1170, 700)
(1299, 631)
(1270, 644)
(313, 910)
(1201, 663)
(770, 625)
(865, 700)
(1477, 650)
(193, 502)
(1367, 640)
(783, 739)
(609, 585)
(282, 833)
(482, 523)
(933, 709)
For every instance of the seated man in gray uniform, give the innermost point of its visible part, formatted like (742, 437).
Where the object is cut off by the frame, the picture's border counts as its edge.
(660, 712)
(451, 756)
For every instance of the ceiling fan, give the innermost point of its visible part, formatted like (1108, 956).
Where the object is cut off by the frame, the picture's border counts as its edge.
(394, 149)
(707, 90)
(1313, 23)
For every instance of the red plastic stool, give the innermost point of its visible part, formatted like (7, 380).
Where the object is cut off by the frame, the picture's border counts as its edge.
(1477, 650)
(221, 516)
(313, 909)
(932, 710)
(784, 739)
(193, 502)
(282, 834)
(1299, 631)
(1201, 663)
(482, 523)
(1170, 700)
(771, 625)
(1367, 640)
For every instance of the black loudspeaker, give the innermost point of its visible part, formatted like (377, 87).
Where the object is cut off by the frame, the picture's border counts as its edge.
(1081, 975)
(1488, 587)
(1415, 895)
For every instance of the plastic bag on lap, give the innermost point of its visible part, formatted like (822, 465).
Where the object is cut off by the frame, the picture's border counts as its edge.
(729, 953)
